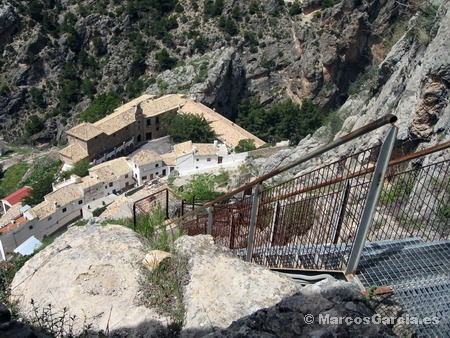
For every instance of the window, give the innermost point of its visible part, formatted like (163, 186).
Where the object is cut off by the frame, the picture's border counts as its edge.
(110, 184)
(149, 122)
(157, 128)
(156, 165)
(172, 168)
(208, 159)
(49, 218)
(126, 176)
(30, 227)
(64, 209)
(80, 202)
(144, 177)
(148, 136)
(157, 119)
(198, 160)
(157, 173)
(106, 187)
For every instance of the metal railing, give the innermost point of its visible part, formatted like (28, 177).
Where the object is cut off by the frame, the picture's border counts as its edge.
(294, 224)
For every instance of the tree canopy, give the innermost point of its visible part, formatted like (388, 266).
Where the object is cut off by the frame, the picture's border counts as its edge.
(185, 127)
(283, 121)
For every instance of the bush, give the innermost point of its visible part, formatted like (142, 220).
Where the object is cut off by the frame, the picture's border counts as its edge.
(245, 145)
(34, 125)
(295, 8)
(165, 61)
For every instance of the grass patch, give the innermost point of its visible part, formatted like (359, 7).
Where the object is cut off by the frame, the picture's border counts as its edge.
(13, 177)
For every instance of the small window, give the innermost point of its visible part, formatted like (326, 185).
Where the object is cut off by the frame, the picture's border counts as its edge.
(144, 177)
(157, 173)
(106, 187)
(110, 184)
(80, 202)
(135, 166)
(149, 122)
(126, 176)
(172, 168)
(198, 160)
(157, 128)
(157, 119)
(64, 209)
(49, 218)
(30, 227)
(208, 159)
(156, 165)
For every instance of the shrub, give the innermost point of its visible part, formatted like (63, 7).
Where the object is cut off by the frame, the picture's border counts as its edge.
(295, 8)
(165, 61)
(34, 125)
(245, 145)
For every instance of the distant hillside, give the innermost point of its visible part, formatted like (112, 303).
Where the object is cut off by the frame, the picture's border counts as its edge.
(59, 58)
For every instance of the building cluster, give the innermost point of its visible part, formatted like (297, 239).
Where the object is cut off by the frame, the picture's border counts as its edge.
(105, 144)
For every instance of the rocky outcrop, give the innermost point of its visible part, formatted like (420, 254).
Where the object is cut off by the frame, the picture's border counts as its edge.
(312, 312)
(223, 288)
(216, 79)
(92, 277)
(93, 272)
(8, 21)
(412, 83)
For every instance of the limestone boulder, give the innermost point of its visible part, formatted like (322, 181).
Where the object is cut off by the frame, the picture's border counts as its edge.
(223, 288)
(94, 272)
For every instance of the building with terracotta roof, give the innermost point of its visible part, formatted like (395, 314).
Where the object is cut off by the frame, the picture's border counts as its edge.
(15, 197)
(138, 121)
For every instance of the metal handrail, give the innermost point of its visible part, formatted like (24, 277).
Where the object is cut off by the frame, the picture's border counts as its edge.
(386, 119)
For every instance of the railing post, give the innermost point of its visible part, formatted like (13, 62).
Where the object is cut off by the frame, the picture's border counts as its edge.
(210, 220)
(340, 220)
(253, 216)
(134, 216)
(167, 203)
(372, 199)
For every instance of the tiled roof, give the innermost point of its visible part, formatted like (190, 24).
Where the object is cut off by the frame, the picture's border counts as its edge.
(169, 159)
(43, 210)
(116, 121)
(146, 157)
(181, 149)
(65, 195)
(75, 152)
(163, 104)
(18, 195)
(133, 103)
(11, 213)
(84, 131)
(111, 170)
(205, 149)
(228, 131)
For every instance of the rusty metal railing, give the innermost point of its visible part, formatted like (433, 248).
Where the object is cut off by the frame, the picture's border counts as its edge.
(291, 225)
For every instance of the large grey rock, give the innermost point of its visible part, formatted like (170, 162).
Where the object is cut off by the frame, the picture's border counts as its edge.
(223, 288)
(305, 314)
(93, 271)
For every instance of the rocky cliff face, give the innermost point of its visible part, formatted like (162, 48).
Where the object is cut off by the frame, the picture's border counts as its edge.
(412, 82)
(57, 57)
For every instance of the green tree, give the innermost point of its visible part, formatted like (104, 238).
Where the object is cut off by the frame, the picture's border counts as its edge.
(41, 179)
(34, 125)
(295, 8)
(185, 127)
(201, 187)
(283, 121)
(245, 145)
(80, 168)
(102, 105)
(165, 61)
